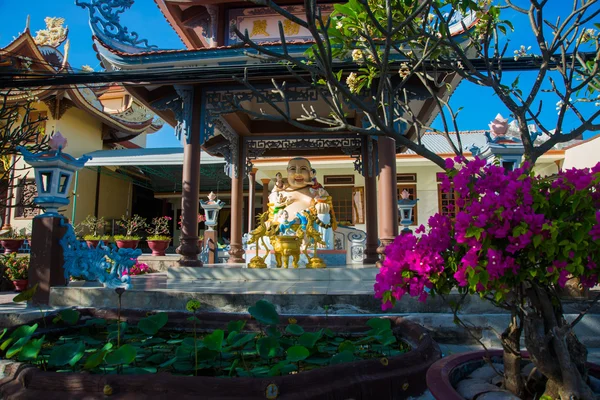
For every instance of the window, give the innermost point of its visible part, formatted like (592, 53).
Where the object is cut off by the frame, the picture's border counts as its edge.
(26, 191)
(338, 180)
(446, 200)
(412, 190)
(406, 178)
(342, 199)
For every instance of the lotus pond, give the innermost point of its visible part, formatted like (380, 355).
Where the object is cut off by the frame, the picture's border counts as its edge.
(100, 346)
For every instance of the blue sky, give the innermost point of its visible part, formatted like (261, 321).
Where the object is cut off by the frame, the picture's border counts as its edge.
(144, 17)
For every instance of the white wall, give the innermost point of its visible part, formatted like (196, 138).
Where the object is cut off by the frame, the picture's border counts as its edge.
(584, 155)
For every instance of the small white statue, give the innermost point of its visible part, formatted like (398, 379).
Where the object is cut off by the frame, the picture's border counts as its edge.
(211, 198)
(499, 126)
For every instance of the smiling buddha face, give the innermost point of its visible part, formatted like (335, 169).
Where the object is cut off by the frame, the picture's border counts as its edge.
(299, 173)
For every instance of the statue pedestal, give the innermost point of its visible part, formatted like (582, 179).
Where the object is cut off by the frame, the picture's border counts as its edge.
(46, 263)
(210, 240)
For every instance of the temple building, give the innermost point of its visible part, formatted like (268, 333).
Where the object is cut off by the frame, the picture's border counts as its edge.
(218, 118)
(92, 118)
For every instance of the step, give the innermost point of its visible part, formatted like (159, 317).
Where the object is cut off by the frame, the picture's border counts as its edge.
(271, 274)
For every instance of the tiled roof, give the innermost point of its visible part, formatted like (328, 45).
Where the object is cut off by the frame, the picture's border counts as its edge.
(439, 144)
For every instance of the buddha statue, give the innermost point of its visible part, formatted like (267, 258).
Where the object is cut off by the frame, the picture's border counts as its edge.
(301, 194)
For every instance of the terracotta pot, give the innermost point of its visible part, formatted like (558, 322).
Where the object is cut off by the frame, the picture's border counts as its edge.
(400, 377)
(158, 247)
(11, 245)
(20, 284)
(92, 244)
(127, 244)
(447, 372)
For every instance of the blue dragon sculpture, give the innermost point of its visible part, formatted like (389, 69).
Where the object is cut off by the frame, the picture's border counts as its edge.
(105, 264)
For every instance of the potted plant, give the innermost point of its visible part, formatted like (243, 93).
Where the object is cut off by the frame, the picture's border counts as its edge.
(131, 225)
(12, 241)
(159, 238)
(16, 269)
(95, 228)
(517, 239)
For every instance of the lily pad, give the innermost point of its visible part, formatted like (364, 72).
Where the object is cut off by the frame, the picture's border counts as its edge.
(69, 353)
(70, 317)
(264, 312)
(297, 353)
(26, 294)
(236, 326)
(31, 349)
(214, 341)
(123, 355)
(152, 324)
(294, 329)
(343, 357)
(309, 339)
(95, 359)
(267, 347)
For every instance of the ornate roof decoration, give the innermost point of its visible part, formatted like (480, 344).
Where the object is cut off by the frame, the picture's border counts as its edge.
(54, 34)
(105, 21)
(39, 54)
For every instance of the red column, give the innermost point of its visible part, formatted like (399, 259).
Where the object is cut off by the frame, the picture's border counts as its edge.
(236, 252)
(388, 192)
(371, 255)
(188, 241)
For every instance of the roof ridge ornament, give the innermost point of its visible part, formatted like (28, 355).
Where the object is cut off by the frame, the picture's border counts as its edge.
(104, 17)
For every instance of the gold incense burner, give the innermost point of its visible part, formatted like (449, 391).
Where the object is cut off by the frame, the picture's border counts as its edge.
(286, 247)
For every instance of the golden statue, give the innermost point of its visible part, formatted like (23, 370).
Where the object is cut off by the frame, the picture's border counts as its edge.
(300, 216)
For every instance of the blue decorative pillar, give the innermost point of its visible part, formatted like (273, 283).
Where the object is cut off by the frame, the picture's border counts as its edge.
(53, 171)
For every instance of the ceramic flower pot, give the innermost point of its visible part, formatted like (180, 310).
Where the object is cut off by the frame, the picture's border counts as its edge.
(127, 244)
(11, 245)
(92, 244)
(20, 284)
(158, 247)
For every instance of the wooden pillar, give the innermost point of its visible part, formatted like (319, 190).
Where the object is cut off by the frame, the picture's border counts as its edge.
(251, 198)
(188, 241)
(370, 174)
(46, 263)
(236, 252)
(265, 194)
(388, 192)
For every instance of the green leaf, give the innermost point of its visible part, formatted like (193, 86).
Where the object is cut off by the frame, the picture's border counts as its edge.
(31, 350)
(347, 345)
(343, 357)
(537, 240)
(123, 355)
(3, 333)
(155, 358)
(239, 342)
(20, 332)
(17, 347)
(69, 353)
(297, 353)
(273, 331)
(95, 322)
(214, 341)
(236, 326)
(152, 324)
(309, 339)
(95, 359)
(264, 312)
(138, 371)
(69, 316)
(294, 329)
(168, 363)
(379, 323)
(286, 369)
(26, 295)
(267, 347)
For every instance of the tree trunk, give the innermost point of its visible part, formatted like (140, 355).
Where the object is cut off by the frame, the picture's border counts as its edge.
(554, 349)
(511, 338)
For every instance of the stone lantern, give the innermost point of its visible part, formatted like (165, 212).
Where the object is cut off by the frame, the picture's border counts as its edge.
(405, 208)
(211, 210)
(53, 171)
